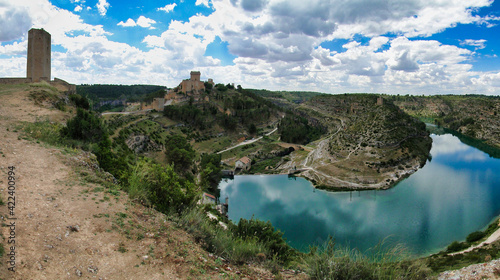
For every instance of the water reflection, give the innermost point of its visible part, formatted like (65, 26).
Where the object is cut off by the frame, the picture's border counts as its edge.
(450, 197)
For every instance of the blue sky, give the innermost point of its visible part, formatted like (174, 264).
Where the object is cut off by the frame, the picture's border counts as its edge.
(333, 46)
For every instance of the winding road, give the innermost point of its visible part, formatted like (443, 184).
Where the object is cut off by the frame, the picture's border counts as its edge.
(247, 142)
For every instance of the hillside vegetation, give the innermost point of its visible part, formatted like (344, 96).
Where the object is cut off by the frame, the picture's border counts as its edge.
(131, 93)
(473, 115)
(362, 144)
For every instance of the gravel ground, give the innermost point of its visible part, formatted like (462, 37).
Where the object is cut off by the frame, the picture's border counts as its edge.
(489, 270)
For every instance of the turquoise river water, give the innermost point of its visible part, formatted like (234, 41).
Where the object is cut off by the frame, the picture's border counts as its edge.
(456, 193)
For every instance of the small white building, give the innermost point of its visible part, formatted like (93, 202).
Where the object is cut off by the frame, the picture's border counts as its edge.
(243, 163)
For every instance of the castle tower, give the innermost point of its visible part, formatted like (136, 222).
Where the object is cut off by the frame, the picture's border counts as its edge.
(380, 101)
(195, 76)
(38, 66)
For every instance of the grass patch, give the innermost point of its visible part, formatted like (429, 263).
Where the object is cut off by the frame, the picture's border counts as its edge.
(219, 241)
(260, 166)
(335, 262)
(42, 130)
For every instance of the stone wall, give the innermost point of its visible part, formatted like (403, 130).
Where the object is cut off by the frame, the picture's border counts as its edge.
(189, 86)
(63, 86)
(14, 81)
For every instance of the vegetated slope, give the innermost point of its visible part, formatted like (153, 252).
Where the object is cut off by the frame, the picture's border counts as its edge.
(472, 115)
(114, 92)
(368, 145)
(286, 98)
(223, 115)
(72, 220)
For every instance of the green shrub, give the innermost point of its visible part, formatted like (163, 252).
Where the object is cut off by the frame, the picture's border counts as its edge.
(492, 227)
(456, 246)
(84, 126)
(220, 241)
(159, 186)
(179, 152)
(296, 129)
(79, 101)
(265, 233)
(475, 236)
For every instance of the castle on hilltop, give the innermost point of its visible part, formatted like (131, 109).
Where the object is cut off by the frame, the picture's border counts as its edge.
(38, 66)
(193, 87)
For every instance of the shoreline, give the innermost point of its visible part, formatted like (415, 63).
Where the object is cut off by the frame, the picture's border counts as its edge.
(354, 186)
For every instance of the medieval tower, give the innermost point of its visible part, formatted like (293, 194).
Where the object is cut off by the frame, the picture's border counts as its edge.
(38, 66)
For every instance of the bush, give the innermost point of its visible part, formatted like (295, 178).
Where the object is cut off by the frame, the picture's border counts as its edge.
(456, 246)
(296, 129)
(219, 241)
(79, 101)
(475, 236)
(179, 152)
(160, 186)
(84, 126)
(265, 233)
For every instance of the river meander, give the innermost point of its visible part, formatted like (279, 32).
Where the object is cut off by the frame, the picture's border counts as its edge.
(456, 193)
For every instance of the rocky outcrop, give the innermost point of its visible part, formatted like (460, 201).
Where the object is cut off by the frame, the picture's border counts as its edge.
(142, 143)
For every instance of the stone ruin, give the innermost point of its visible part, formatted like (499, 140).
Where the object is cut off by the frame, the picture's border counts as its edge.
(38, 66)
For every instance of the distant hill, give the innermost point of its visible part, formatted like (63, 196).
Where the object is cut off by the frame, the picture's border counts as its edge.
(295, 97)
(370, 142)
(131, 93)
(476, 116)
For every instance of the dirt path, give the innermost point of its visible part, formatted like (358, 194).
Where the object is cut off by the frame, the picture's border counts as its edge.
(247, 142)
(56, 233)
(320, 153)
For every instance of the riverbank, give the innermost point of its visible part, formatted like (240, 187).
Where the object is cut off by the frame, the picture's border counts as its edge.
(492, 238)
(363, 168)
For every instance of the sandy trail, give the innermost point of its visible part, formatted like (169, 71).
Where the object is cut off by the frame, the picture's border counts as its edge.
(247, 142)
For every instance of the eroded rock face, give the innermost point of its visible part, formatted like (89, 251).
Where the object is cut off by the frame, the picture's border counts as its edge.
(142, 143)
(489, 270)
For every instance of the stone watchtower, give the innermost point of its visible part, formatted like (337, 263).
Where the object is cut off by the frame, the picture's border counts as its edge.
(195, 76)
(38, 66)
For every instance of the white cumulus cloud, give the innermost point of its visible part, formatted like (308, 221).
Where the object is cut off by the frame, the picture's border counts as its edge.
(129, 23)
(142, 21)
(203, 2)
(102, 7)
(479, 44)
(168, 8)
